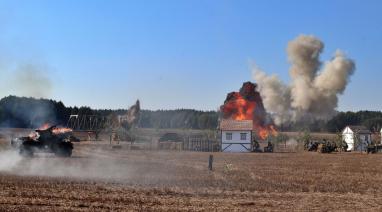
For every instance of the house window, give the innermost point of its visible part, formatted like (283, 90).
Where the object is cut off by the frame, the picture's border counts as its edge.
(228, 136)
(243, 136)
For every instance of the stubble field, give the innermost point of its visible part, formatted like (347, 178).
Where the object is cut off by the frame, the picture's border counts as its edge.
(99, 177)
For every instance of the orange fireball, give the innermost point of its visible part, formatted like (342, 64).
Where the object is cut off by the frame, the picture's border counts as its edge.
(247, 105)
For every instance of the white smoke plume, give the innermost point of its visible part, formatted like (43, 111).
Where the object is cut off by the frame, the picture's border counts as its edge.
(313, 92)
(277, 98)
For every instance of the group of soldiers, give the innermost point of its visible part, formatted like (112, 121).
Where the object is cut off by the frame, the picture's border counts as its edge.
(325, 146)
(256, 147)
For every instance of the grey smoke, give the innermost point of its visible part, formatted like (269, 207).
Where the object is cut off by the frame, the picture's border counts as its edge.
(32, 81)
(313, 92)
(277, 98)
(26, 80)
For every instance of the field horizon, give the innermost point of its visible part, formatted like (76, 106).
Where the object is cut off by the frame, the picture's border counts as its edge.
(101, 177)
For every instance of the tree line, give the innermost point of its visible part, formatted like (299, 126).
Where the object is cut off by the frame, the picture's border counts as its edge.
(27, 112)
(24, 112)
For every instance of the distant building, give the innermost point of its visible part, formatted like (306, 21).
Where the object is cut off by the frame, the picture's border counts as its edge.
(360, 134)
(236, 136)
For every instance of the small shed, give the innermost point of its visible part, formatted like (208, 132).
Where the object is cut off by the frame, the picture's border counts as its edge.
(360, 134)
(236, 135)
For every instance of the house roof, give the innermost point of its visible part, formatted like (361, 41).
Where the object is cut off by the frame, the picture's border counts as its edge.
(359, 129)
(230, 124)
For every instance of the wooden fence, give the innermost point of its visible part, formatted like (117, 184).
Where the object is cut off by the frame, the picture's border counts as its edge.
(198, 144)
(201, 144)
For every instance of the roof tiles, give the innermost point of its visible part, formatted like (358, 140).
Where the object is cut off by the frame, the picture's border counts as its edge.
(230, 124)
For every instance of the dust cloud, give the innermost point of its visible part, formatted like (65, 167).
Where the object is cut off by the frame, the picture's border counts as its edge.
(313, 91)
(9, 159)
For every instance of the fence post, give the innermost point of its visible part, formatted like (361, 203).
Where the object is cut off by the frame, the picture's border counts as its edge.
(210, 161)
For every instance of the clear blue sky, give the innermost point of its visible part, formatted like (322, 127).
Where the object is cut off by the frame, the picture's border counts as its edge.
(184, 54)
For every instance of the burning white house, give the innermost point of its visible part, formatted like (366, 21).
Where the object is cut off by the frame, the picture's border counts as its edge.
(242, 117)
(356, 137)
(236, 135)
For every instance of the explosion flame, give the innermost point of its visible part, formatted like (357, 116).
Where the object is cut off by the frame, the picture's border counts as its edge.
(248, 105)
(55, 130)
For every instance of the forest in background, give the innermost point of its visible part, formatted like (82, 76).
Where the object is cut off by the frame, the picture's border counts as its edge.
(23, 112)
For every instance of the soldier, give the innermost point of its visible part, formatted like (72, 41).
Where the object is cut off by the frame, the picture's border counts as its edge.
(313, 146)
(307, 144)
(256, 146)
(269, 148)
(344, 146)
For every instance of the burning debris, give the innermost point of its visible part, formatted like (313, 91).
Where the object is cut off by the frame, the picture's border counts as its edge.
(247, 104)
(54, 129)
(313, 92)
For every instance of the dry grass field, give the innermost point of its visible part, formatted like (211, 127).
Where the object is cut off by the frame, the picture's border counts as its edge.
(99, 177)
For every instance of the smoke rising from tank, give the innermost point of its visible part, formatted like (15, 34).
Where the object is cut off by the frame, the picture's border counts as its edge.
(28, 80)
(313, 92)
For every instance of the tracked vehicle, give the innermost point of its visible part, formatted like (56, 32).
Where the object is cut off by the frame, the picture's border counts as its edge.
(47, 141)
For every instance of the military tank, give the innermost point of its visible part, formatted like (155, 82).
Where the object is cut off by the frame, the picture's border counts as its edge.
(50, 140)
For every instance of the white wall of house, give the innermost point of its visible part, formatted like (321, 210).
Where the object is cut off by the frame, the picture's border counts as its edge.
(348, 136)
(236, 141)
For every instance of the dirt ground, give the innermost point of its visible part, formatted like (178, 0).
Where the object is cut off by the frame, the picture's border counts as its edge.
(99, 177)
